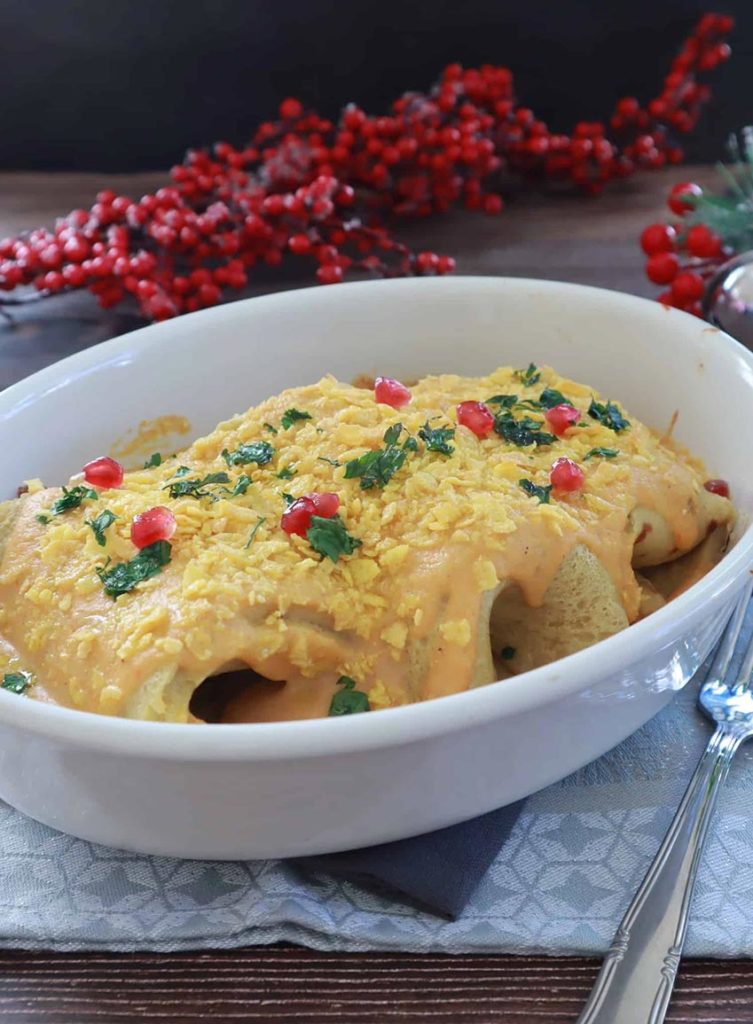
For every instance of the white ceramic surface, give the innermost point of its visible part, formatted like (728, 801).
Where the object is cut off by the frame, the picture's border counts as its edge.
(306, 787)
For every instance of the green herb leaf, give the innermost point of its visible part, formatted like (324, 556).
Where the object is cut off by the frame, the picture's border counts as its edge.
(125, 576)
(437, 439)
(392, 434)
(550, 397)
(332, 462)
(523, 432)
(529, 376)
(270, 428)
(287, 473)
(376, 468)
(503, 401)
(287, 498)
(153, 460)
(330, 539)
(507, 653)
(181, 471)
(71, 499)
(19, 682)
(348, 700)
(291, 416)
(241, 485)
(253, 533)
(196, 488)
(535, 491)
(604, 453)
(41, 518)
(100, 524)
(608, 415)
(260, 452)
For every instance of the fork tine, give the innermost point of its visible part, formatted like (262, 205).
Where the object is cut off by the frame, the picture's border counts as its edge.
(725, 651)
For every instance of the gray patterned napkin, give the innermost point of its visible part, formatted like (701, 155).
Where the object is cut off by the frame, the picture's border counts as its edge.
(559, 884)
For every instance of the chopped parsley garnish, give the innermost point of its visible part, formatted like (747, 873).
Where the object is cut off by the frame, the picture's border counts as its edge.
(536, 491)
(71, 499)
(125, 576)
(529, 376)
(270, 428)
(287, 473)
(503, 401)
(153, 460)
(19, 682)
(291, 416)
(241, 485)
(522, 432)
(604, 453)
(196, 488)
(437, 439)
(332, 462)
(507, 653)
(41, 518)
(287, 498)
(608, 415)
(348, 700)
(550, 397)
(330, 539)
(181, 471)
(260, 452)
(376, 468)
(253, 533)
(100, 524)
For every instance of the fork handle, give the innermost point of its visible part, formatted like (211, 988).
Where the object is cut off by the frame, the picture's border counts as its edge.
(639, 970)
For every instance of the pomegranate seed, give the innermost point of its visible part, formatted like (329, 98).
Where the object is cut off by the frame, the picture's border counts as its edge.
(475, 416)
(662, 268)
(326, 503)
(391, 392)
(561, 417)
(104, 472)
(296, 519)
(682, 195)
(658, 238)
(566, 475)
(155, 524)
(720, 487)
(702, 242)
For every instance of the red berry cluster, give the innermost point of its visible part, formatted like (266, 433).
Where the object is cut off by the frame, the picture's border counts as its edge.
(682, 256)
(308, 187)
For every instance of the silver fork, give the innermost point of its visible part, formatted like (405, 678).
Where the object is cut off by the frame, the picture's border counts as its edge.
(636, 979)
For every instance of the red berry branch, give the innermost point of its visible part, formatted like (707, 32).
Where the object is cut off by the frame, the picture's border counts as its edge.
(710, 229)
(329, 192)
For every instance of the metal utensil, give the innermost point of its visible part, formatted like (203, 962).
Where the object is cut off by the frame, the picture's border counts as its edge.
(636, 979)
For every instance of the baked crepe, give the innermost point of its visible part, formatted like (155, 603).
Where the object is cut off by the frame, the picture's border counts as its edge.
(460, 576)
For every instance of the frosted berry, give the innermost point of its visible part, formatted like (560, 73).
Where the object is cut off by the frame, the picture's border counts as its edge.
(662, 268)
(658, 238)
(682, 197)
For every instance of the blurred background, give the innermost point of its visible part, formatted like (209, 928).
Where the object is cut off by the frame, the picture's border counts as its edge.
(125, 85)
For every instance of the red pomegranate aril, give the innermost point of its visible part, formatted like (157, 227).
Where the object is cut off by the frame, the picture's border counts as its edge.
(720, 487)
(561, 417)
(326, 503)
(566, 475)
(658, 238)
(155, 524)
(391, 392)
(103, 472)
(475, 416)
(296, 519)
(662, 268)
(681, 197)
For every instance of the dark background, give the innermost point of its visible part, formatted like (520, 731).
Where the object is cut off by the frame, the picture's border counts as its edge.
(130, 84)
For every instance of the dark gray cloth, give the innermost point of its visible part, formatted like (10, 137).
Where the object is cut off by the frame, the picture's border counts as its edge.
(439, 870)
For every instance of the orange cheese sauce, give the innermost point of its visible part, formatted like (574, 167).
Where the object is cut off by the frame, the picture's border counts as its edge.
(401, 615)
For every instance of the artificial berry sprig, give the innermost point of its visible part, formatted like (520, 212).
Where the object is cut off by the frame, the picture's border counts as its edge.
(328, 192)
(710, 229)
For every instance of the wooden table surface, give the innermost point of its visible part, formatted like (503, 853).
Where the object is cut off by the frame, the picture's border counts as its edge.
(559, 237)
